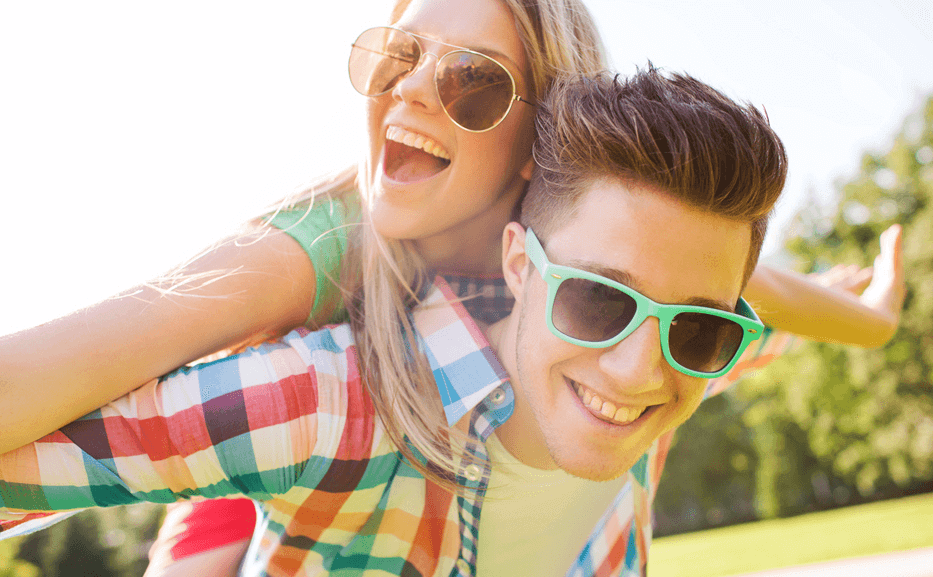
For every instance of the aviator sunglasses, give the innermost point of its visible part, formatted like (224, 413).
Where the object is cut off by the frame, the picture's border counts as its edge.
(593, 311)
(476, 91)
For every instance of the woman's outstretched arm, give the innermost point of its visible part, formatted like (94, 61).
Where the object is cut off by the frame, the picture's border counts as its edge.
(242, 425)
(848, 305)
(54, 373)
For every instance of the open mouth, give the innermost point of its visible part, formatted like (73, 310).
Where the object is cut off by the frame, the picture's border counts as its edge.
(411, 157)
(606, 410)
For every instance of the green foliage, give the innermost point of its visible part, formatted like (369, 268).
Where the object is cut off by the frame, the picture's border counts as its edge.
(10, 566)
(99, 542)
(866, 415)
(725, 471)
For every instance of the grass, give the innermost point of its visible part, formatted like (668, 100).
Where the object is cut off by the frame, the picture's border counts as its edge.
(882, 527)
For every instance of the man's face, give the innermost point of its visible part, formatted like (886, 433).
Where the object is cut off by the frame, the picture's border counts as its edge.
(658, 246)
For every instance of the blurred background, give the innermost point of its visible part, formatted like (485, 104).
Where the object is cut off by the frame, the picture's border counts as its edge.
(134, 134)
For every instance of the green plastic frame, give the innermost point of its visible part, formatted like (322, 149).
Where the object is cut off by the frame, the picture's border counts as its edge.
(554, 275)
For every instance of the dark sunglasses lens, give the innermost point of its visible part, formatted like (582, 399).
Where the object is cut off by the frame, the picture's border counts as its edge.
(379, 58)
(703, 342)
(591, 311)
(475, 90)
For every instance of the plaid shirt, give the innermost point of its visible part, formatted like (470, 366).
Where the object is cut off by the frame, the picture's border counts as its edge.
(290, 424)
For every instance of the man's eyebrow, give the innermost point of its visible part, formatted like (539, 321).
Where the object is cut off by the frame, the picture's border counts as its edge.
(626, 278)
(710, 304)
(620, 276)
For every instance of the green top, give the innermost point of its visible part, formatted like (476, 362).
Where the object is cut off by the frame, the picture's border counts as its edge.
(320, 232)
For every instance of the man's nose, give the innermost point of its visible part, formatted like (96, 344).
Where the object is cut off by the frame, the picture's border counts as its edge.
(636, 363)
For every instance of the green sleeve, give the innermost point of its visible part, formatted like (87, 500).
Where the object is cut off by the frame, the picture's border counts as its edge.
(320, 232)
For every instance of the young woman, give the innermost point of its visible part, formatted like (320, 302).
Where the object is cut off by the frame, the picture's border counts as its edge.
(440, 179)
(442, 176)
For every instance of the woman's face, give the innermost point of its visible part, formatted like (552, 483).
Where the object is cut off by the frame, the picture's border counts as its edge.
(420, 195)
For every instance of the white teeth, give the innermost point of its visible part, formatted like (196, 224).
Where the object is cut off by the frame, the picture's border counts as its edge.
(418, 141)
(596, 403)
(608, 410)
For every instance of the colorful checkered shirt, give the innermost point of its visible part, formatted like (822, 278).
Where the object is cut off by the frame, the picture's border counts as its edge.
(290, 424)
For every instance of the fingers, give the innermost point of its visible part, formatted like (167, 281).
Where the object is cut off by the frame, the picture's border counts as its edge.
(889, 262)
(850, 278)
(859, 280)
(887, 289)
(891, 241)
(892, 259)
(833, 276)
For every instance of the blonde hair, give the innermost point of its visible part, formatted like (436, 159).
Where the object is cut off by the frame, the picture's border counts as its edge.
(381, 277)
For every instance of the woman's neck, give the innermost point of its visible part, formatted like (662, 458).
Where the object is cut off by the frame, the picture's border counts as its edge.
(476, 254)
(473, 246)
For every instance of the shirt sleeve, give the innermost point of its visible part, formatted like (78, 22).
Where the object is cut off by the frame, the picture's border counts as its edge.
(247, 424)
(762, 352)
(320, 230)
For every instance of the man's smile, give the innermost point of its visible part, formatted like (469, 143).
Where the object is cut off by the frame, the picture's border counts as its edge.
(605, 410)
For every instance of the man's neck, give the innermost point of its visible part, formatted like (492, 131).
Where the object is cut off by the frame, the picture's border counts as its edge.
(519, 435)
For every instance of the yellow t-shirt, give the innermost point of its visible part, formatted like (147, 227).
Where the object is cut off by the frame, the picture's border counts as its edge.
(535, 522)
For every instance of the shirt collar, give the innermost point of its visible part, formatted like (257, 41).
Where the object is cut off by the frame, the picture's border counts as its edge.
(464, 365)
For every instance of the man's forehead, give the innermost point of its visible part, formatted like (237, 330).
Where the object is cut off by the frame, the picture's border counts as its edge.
(652, 242)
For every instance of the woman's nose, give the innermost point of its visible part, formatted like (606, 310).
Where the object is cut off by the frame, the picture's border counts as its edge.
(416, 89)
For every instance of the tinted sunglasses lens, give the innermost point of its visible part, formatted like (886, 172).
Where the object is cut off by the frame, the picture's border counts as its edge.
(379, 58)
(704, 343)
(475, 90)
(591, 311)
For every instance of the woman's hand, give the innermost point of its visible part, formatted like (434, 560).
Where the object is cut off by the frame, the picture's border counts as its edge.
(846, 304)
(885, 293)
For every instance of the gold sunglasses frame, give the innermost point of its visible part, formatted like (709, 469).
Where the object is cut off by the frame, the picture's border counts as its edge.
(437, 60)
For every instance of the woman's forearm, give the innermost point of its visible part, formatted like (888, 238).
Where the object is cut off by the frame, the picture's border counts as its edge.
(54, 373)
(792, 302)
(167, 440)
(848, 305)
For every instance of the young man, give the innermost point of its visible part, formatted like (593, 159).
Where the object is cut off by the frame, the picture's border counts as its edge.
(650, 190)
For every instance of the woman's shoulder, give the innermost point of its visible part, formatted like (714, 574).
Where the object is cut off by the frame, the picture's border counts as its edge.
(317, 215)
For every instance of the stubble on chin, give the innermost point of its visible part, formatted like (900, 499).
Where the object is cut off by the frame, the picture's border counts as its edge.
(562, 454)
(595, 470)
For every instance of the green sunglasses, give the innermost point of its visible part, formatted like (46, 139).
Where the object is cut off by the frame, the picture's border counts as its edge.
(593, 311)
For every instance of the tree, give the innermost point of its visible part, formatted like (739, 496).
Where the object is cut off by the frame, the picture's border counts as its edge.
(864, 416)
(110, 542)
(10, 566)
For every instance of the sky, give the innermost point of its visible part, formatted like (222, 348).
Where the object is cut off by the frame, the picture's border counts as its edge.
(133, 134)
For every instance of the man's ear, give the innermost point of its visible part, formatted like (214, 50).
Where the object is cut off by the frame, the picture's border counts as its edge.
(515, 263)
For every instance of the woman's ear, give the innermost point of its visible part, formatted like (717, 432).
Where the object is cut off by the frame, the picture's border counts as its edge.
(527, 169)
(515, 262)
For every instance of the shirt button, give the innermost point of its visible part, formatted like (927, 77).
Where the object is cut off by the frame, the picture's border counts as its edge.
(472, 473)
(497, 396)
(463, 566)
